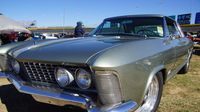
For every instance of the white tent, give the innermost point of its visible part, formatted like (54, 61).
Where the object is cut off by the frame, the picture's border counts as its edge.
(8, 25)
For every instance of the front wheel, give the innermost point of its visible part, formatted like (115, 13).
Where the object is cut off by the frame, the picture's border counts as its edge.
(153, 95)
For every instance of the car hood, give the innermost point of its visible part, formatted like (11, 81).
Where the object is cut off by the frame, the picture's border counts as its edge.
(67, 50)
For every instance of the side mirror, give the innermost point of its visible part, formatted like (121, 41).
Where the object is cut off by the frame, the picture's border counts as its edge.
(176, 35)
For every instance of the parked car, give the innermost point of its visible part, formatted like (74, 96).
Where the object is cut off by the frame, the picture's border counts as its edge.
(6, 38)
(194, 37)
(121, 67)
(37, 36)
(197, 37)
(65, 35)
(11, 31)
(49, 36)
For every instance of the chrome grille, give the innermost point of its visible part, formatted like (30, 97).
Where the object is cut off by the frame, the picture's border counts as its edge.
(39, 72)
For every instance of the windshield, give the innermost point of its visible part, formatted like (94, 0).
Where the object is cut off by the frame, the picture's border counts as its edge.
(138, 26)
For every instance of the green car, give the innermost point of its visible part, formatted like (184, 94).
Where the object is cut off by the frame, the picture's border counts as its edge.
(121, 66)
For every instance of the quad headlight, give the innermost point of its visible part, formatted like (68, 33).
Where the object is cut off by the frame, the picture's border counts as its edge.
(63, 76)
(15, 66)
(83, 79)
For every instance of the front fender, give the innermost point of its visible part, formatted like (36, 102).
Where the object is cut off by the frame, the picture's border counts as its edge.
(135, 68)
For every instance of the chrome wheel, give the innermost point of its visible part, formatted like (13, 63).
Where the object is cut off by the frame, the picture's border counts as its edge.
(188, 59)
(187, 64)
(151, 96)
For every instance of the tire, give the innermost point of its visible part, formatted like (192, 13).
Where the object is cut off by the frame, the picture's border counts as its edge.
(185, 68)
(1, 42)
(153, 95)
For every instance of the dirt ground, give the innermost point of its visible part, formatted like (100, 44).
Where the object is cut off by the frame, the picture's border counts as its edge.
(181, 94)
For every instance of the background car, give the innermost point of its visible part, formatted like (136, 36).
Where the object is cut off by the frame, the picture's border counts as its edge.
(11, 31)
(50, 36)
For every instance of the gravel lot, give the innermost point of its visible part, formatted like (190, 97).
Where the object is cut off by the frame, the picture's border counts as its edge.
(181, 94)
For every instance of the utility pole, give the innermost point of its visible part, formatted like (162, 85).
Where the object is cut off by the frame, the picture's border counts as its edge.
(64, 21)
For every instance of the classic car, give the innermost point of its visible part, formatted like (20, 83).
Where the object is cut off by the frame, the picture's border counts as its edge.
(122, 66)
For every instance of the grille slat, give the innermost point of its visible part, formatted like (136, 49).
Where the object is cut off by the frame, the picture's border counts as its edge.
(40, 72)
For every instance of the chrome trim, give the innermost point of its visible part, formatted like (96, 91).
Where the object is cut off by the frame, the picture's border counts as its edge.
(40, 72)
(71, 98)
(123, 107)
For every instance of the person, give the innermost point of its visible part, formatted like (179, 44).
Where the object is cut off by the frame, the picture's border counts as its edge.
(79, 31)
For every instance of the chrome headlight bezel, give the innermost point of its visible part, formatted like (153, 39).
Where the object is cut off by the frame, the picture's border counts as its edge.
(15, 66)
(107, 84)
(63, 76)
(83, 78)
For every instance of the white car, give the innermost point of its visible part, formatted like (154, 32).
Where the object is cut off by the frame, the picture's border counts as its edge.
(49, 36)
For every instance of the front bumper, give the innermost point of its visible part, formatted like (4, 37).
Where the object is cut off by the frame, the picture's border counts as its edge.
(82, 101)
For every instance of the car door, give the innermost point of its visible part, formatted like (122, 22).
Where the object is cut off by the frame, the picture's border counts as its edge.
(182, 52)
(170, 43)
(179, 43)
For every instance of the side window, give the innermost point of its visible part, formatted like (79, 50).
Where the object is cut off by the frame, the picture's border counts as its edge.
(110, 27)
(171, 27)
(107, 25)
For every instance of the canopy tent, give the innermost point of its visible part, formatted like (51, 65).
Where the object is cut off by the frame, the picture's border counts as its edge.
(8, 25)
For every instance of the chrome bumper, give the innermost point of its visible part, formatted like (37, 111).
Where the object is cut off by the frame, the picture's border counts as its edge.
(74, 99)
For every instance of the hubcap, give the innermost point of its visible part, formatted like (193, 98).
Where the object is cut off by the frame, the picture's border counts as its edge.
(150, 97)
(188, 60)
(187, 64)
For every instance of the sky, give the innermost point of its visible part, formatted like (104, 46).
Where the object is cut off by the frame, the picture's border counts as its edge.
(91, 12)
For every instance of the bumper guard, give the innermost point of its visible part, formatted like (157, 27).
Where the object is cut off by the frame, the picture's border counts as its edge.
(74, 99)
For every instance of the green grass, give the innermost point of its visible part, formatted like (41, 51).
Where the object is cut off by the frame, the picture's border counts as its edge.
(182, 92)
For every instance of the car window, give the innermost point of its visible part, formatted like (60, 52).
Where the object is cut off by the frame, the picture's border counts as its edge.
(110, 27)
(172, 28)
(150, 30)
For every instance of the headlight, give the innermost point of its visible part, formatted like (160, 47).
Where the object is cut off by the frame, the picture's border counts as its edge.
(15, 66)
(83, 79)
(63, 77)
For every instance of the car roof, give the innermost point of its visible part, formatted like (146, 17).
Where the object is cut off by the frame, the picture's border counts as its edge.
(132, 16)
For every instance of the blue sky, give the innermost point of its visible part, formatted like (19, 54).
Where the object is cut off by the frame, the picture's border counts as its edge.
(91, 12)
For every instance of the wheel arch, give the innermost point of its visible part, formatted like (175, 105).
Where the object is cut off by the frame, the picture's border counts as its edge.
(156, 70)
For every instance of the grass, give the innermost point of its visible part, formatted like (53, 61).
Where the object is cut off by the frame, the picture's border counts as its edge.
(182, 93)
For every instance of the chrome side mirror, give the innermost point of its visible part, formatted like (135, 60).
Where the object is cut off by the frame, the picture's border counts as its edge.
(176, 35)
